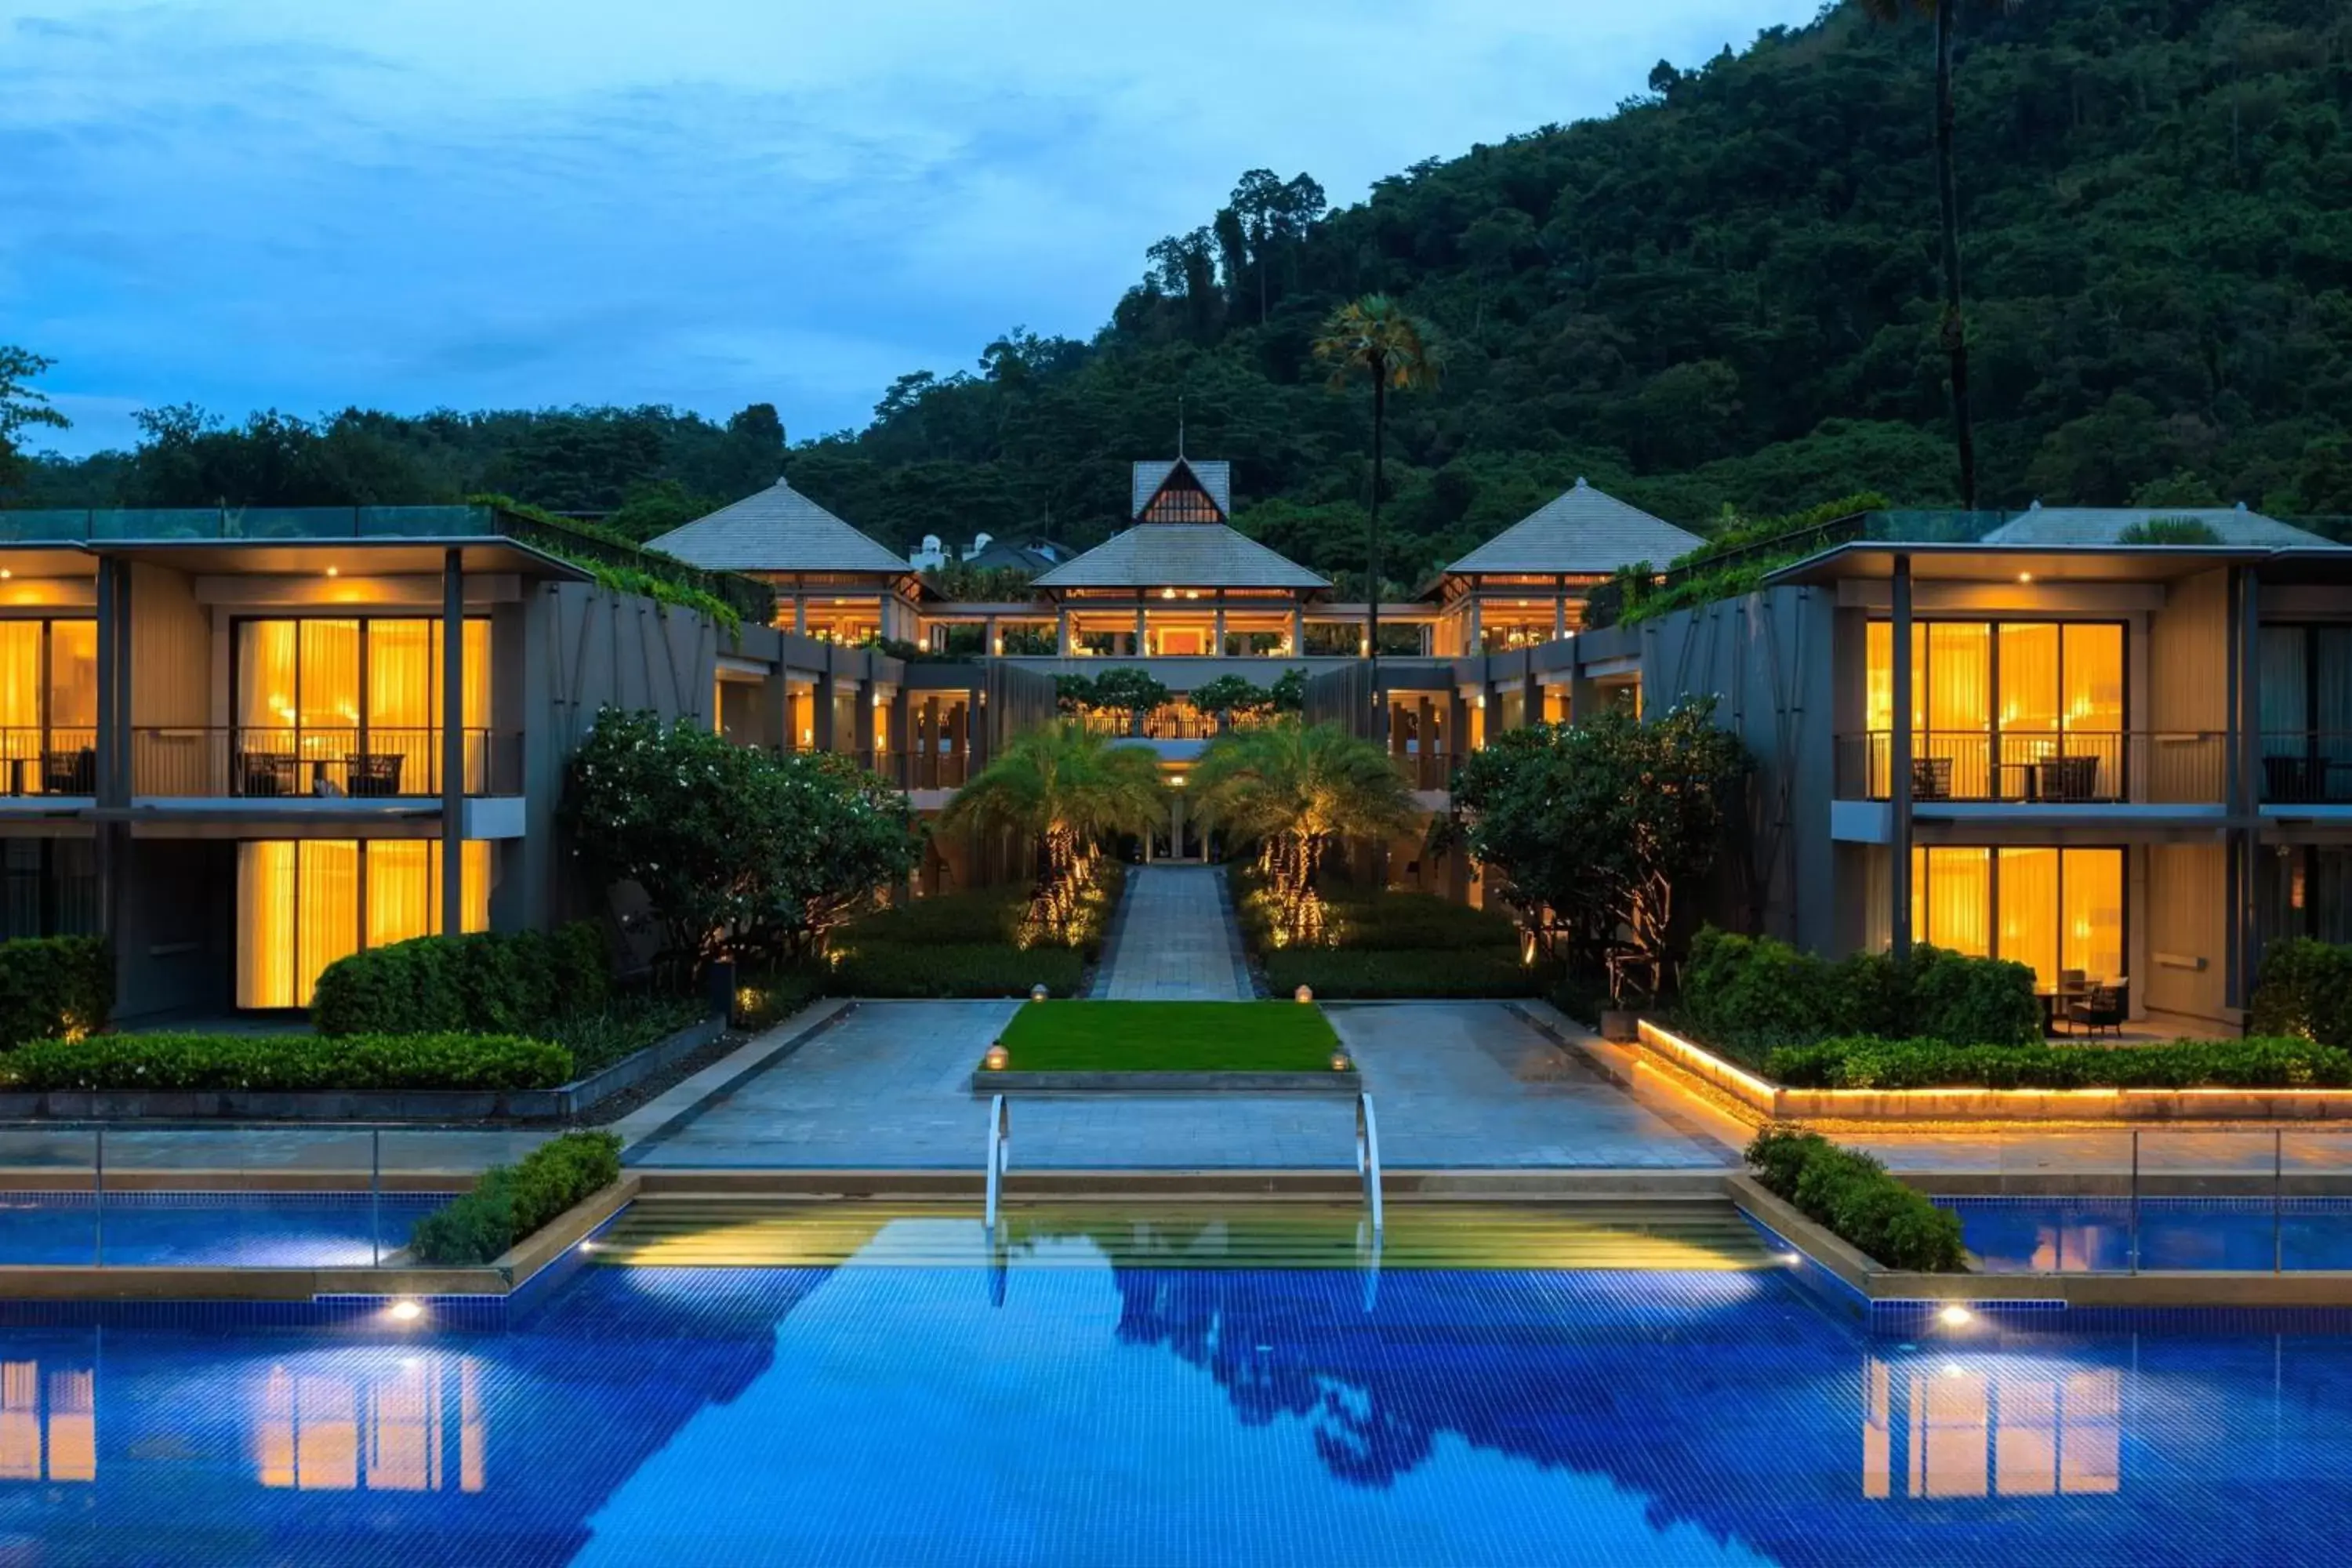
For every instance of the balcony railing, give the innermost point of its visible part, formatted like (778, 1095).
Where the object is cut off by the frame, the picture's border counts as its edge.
(269, 761)
(2307, 767)
(47, 760)
(2076, 768)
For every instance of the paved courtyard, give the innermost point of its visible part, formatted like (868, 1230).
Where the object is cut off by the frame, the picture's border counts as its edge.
(1468, 1085)
(1174, 943)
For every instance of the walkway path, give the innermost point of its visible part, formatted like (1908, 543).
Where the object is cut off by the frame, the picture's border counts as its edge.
(1175, 942)
(1469, 1085)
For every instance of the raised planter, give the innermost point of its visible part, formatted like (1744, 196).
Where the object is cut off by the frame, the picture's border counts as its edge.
(1014, 1081)
(563, 1103)
(1776, 1102)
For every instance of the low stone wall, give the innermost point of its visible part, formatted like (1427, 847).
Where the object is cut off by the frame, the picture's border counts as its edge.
(2139, 1107)
(563, 1103)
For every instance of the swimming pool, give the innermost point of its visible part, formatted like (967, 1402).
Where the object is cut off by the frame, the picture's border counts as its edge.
(245, 1230)
(1068, 1409)
(2076, 1235)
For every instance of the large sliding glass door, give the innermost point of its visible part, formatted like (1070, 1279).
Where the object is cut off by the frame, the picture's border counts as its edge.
(352, 706)
(302, 904)
(49, 706)
(2055, 910)
(2305, 675)
(2003, 710)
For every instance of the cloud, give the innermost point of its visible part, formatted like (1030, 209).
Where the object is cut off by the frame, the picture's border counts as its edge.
(265, 203)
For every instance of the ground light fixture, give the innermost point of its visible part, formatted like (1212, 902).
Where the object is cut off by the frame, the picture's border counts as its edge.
(406, 1311)
(1956, 1316)
(1304, 994)
(1039, 992)
(998, 1057)
(1340, 1062)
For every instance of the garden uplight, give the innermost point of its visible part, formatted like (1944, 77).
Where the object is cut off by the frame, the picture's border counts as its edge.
(1304, 994)
(998, 1057)
(1039, 992)
(1340, 1062)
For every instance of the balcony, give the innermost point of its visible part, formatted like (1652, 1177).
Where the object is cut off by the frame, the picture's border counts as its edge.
(2311, 767)
(2081, 768)
(274, 763)
(50, 761)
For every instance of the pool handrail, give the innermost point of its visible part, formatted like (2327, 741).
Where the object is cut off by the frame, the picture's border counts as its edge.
(1000, 1152)
(1368, 1158)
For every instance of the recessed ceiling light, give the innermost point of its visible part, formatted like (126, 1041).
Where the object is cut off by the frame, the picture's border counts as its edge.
(334, 570)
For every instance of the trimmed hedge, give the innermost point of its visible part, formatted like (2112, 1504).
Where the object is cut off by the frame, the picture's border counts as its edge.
(52, 986)
(1851, 1193)
(510, 1202)
(889, 969)
(597, 1040)
(764, 1000)
(2305, 988)
(215, 1063)
(1863, 1062)
(1758, 992)
(500, 983)
(1337, 974)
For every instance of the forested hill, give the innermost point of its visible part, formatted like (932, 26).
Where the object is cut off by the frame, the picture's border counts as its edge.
(1722, 295)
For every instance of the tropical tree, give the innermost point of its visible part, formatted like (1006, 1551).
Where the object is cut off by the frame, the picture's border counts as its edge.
(1069, 790)
(1297, 790)
(1231, 697)
(1376, 338)
(1597, 828)
(21, 407)
(1952, 331)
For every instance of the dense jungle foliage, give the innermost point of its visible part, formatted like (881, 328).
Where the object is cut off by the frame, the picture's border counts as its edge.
(1724, 295)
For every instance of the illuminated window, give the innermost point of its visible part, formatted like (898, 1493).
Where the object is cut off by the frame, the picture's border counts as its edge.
(2051, 910)
(49, 706)
(316, 696)
(300, 907)
(1994, 703)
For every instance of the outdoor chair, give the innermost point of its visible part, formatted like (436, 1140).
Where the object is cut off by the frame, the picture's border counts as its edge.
(264, 774)
(2070, 778)
(1931, 778)
(372, 773)
(71, 772)
(2292, 780)
(2100, 1007)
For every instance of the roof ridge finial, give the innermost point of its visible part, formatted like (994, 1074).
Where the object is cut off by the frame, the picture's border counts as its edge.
(1179, 427)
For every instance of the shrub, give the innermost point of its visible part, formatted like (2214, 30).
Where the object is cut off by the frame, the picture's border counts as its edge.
(1866, 1062)
(1759, 992)
(510, 1202)
(494, 981)
(215, 1063)
(1419, 923)
(1340, 973)
(54, 985)
(766, 999)
(990, 969)
(1853, 1195)
(2305, 988)
(597, 1040)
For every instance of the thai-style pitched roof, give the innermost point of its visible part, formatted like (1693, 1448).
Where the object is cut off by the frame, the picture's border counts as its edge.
(1182, 555)
(777, 530)
(2106, 525)
(1214, 478)
(1579, 532)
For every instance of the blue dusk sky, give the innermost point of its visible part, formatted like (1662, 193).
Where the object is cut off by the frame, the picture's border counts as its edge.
(411, 203)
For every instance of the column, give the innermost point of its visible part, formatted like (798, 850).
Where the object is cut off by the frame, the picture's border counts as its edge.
(1559, 608)
(112, 760)
(453, 742)
(1142, 649)
(800, 615)
(2244, 668)
(1298, 631)
(1218, 647)
(862, 742)
(1474, 645)
(1898, 780)
(1062, 631)
(991, 644)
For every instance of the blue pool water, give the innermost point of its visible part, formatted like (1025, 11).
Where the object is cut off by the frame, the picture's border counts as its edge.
(1087, 1414)
(250, 1230)
(2070, 1235)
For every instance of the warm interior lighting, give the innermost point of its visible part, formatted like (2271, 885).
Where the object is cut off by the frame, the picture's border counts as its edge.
(5, 573)
(2025, 576)
(334, 570)
(1956, 1316)
(406, 1311)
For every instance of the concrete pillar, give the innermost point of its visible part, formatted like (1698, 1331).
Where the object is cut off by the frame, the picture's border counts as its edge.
(1062, 631)
(453, 742)
(1218, 646)
(1142, 648)
(990, 639)
(1559, 609)
(824, 702)
(800, 615)
(1899, 783)
(1298, 631)
(1472, 646)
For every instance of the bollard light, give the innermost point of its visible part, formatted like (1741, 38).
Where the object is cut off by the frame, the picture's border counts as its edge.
(1340, 1062)
(1038, 993)
(1304, 994)
(997, 1057)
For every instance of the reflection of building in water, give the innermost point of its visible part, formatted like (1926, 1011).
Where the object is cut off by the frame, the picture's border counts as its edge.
(49, 1426)
(385, 1427)
(2011, 1431)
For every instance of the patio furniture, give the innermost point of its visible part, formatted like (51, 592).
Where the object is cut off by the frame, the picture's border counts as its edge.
(2101, 1007)
(73, 772)
(373, 773)
(267, 774)
(2072, 985)
(1931, 778)
(2294, 780)
(2070, 778)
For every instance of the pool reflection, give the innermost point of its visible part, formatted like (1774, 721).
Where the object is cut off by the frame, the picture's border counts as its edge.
(1946, 1431)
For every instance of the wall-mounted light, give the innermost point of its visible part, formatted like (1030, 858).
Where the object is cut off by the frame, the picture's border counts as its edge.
(334, 570)
(2025, 576)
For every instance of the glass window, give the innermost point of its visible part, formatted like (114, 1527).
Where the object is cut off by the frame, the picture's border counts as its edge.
(2048, 908)
(358, 699)
(298, 907)
(1950, 899)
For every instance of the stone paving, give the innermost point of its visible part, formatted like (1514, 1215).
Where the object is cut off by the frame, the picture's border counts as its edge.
(1465, 1085)
(1174, 942)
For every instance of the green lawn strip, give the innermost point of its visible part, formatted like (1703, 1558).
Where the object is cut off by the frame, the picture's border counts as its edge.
(1170, 1037)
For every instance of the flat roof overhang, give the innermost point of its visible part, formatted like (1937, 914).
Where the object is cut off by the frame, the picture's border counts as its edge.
(48, 560)
(2046, 563)
(380, 556)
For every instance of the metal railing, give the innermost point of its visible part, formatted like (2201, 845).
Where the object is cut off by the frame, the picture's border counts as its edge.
(269, 761)
(1000, 1153)
(1368, 1161)
(2307, 767)
(49, 760)
(2073, 767)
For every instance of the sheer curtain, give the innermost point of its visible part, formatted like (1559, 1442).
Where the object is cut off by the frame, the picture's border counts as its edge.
(20, 698)
(264, 925)
(401, 701)
(2092, 913)
(1959, 702)
(1951, 898)
(2029, 912)
(2282, 673)
(2332, 702)
(73, 679)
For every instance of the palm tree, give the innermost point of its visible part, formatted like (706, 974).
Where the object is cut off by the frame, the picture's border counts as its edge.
(1298, 790)
(1376, 336)
(1069, 790)
(1954, 333)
